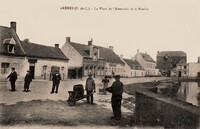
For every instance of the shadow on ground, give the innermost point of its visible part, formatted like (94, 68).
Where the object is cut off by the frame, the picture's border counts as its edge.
(50, 112)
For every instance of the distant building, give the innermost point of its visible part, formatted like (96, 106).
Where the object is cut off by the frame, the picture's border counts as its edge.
(91, 59)
(180, 70)
(172, 63)
(193, 68)
(147, 62)
(23, 55)
(132, 68)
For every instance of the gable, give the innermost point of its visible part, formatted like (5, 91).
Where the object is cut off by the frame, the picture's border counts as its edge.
(9, 43)
(104, 53)
(147, 57)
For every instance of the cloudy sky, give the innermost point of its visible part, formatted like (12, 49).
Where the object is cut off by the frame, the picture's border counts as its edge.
(147, 25)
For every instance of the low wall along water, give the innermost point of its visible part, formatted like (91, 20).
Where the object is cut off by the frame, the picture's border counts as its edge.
(153, 109)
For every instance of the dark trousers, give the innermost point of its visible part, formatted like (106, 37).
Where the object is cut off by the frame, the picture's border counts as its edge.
(12, 83)
(116, 107)
(55, 85)
(26, 85)
(90, 97)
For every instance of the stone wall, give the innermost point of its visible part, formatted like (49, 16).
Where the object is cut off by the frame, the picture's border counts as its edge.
(153, 109)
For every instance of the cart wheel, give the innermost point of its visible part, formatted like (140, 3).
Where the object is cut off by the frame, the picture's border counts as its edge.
(71, 102)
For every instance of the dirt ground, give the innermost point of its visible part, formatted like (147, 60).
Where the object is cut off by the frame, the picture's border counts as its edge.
(39, 108)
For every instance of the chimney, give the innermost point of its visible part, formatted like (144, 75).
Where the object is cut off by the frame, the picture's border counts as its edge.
(138, 50)
(89, 43)
(111, 47)
(57, 45)
(68, 39)
(158, 52)
(13, 25)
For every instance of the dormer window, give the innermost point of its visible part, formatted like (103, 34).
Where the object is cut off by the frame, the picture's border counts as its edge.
(95, 53)
(9, 45)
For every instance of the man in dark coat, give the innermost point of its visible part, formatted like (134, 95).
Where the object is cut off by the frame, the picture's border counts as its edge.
(12, 78)
(117, 90)
(27, 81)
(56, 81)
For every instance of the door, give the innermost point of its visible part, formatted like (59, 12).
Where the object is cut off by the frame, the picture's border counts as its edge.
(32, 69)
(179, 74)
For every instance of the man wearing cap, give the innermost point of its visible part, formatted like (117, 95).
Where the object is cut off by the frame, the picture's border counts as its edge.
(27, 81)
(117, 90)
(56, 77)
(12, 78)
(90, 88)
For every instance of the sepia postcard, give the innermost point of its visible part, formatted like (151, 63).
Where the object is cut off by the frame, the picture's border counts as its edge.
(109, 64)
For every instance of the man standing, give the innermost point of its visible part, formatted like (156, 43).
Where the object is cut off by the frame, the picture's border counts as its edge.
(56, 81)
(117, 90)
(12, 78)
(90, 88)
(27, 81)
(105, 82)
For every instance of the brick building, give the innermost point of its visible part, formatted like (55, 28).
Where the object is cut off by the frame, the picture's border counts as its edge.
(172, 63)
(91, 59)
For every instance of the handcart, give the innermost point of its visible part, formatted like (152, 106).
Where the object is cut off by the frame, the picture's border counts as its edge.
(76, 95)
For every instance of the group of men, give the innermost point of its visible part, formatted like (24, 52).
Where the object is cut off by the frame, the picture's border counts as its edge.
(28, 79)
(13, 77)
(116, 89)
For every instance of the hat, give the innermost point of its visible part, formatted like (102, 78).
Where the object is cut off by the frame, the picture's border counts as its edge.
(13, 68)
(117, 76)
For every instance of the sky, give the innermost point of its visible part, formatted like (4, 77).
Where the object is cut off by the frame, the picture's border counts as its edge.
(145, 25)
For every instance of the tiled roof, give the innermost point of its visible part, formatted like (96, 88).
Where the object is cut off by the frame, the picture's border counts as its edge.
(147, 57)
(182, 62)
(7, 33)
(81, 48)
(42, 51)
(172, 53)
(109, 55)
(129, 62)
(105, 53)
(133, 63)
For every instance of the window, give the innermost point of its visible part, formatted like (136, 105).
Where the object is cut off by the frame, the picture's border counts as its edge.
(4, 68)
(9, 44)
(11, 48)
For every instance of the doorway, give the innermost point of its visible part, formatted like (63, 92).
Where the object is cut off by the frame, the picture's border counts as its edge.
(179, 74)
(32, 69)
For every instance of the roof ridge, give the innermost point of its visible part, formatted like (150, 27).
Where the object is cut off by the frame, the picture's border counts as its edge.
(5, 27)
(37, 44)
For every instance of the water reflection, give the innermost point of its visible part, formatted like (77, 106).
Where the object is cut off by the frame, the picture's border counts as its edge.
(169, 89)
(184, 91)
(189, 92)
